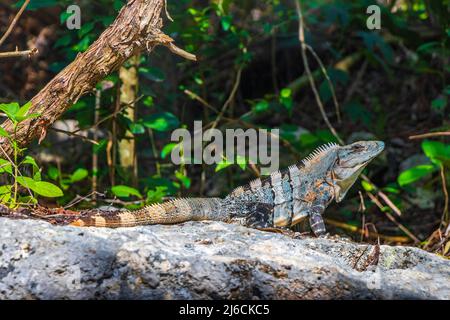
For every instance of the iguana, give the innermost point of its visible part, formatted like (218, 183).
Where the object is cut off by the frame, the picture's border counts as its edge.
(281, 200)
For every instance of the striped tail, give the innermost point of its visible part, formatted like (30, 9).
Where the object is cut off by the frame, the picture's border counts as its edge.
(170, 212)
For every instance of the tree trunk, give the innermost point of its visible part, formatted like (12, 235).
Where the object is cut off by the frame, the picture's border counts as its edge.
(136, 28)
(128, 94)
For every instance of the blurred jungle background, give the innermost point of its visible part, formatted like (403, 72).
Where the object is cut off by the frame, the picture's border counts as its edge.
(112, 147)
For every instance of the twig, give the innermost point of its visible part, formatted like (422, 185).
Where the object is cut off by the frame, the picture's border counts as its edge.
(301, 36)
(230, 98)
(73, 134)
(112, 115)
(98, 97)
(383, 196)
(195, 96)
(14, 22)
(15, 166)
(330, 84)
(391, 217)
(79, 198)
(14, 54)
(362, 209)
(444, 188)
(355, 83)
(357, 230)
(182, 53)
(430, 134)
(167, 11)
(388, 201)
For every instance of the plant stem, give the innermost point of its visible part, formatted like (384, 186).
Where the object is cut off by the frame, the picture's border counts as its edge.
(16, 169)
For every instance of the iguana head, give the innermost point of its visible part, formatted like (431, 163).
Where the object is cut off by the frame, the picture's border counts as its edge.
(350, 162)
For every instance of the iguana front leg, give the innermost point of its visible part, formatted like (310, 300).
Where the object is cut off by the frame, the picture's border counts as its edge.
(260, 216)
(316, 221)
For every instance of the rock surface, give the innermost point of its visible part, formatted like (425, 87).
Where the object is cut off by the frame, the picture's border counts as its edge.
(206, 260)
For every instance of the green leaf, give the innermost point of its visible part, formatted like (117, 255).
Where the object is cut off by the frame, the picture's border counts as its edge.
(47, 189)
(5, 189)
(222, 165)
(122, 191)
(79, 175)
(167, 149)
(53, 173)
(241, 162)
(23, 110)
(26, 182)
(286, 93)
(438, 152)
(261, 106)
(226, 22)
(186, 181)
(156, 195)
(367, 186)
(85, 29)
(148, 101)
(161, 121)
(10, 109)
(4, 133)
(30, 160)
(5, 166)
(137, 128)
(439, 104)
(100, 146)
(415, 173)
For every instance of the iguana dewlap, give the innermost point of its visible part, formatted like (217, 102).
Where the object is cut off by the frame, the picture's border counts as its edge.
(281, 200)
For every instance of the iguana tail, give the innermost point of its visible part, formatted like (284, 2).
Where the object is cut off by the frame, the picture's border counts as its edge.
(170, 212)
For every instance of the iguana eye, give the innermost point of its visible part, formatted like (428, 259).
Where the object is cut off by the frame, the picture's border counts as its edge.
(358, 147)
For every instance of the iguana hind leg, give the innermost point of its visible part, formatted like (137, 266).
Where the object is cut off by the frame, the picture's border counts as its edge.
(260, 216)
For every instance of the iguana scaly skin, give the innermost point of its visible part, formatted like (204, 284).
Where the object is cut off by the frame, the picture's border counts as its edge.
(279, 201)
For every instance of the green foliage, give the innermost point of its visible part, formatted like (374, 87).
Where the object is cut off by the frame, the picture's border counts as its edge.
(122, 191)
(439, 155)
(15, 194)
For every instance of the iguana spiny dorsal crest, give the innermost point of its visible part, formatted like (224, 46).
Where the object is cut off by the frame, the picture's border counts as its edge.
(281, 200)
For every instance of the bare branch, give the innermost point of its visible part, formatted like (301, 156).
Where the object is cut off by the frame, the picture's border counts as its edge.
(14, 54)
(14, 22)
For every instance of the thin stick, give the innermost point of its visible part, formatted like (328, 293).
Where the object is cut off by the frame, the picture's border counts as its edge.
(70, 133)
(330, 84)
(391, 217)
(301, 36)
(98, 97)
(167, 11)
(112, 115)
(444, 188)
(14, 22)
(195, 96)
(16, 167)
(182, 53)
(357, 230)
(230, 98)
(14, 54)
(430, 134)
(383, 196)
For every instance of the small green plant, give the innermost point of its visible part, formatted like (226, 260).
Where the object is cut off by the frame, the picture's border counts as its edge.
(23, 188)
